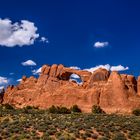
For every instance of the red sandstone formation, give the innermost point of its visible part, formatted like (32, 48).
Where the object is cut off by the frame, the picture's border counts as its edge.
(113, 92)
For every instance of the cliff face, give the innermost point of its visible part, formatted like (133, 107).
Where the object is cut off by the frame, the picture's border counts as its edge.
(113, 92)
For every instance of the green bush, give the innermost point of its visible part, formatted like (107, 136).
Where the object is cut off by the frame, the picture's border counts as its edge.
(119, 136)
(27, 109)
(97, 110)
(31, 107)
(8, 106)
(59, 110)
(136, 112)
(63, 110)
(75, 108)
(52, 109)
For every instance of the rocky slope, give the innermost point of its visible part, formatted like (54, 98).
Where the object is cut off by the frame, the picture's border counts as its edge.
(113, 92)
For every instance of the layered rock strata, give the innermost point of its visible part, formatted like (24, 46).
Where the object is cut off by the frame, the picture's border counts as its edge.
(113, 92)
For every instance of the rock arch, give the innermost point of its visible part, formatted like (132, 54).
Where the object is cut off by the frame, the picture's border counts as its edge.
(67, 72)
(64, 73)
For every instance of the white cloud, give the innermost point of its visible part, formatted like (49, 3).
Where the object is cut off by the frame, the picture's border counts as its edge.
(74, 76)
(37, 71)
(3, 80)
(18, 80)
(107, 67)
(119, 68)
(1, 87)
(44, 39)
(18, 33)
(75, 67)
(101, 44)
(29, 63)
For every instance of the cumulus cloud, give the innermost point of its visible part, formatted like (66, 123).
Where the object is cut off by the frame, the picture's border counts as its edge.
(37, 71)
(29, 63)
(18, 80)
(1, 87)
(75, 76)
(108, 67)
(75, 67)
(18, 33)
(3, 80)
(119, 68)
(101, 44)
(44, 39)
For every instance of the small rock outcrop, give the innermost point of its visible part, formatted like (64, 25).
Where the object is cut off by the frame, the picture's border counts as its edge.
(113, 92)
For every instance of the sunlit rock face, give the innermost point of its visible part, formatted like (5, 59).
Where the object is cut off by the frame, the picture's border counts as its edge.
(113, 92)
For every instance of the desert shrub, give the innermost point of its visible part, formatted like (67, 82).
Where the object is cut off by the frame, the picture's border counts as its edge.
(58, 134)
(103, 138)
(87, 134)
(119, 136)
(83, 136)
(51, 131)
(97, 110)
(136, 112)
(52, 109)
(8, 106)
(59, 110)
(63, 110)
(31, 107)
(94, 136)
(25, 110)
(75, 108)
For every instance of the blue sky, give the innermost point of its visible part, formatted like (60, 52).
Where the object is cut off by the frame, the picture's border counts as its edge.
(81, 33)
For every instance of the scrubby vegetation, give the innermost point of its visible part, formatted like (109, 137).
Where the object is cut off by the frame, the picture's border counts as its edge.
(59, 110)
(63, 110)
(7, 106)
(35, 124)
(97, 110)
(75, 109)
(136, 112)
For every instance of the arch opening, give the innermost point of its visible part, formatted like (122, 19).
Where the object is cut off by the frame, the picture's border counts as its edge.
(76, 78)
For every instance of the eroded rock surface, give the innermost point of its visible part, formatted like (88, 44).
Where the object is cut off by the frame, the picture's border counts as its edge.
(113, 92)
